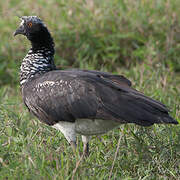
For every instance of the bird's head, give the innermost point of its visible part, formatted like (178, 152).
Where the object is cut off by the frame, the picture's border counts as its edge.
(30, 25)
(35, 30)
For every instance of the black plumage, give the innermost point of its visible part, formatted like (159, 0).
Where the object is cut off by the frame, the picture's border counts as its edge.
(55, 96)
(68, 95)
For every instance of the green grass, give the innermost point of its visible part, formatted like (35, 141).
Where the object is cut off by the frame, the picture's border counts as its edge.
(96, 33)
(31, 150)
(139, 39)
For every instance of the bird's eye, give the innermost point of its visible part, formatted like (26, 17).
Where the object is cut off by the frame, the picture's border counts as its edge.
(29, 24)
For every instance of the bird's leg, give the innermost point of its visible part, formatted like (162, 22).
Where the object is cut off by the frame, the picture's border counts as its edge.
(86, 149)
(85, 140)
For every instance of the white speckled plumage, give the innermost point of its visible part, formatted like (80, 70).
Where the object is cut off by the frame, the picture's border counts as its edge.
(35, 63)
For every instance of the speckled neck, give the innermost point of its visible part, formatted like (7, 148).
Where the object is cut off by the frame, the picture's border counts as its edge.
(37, 61)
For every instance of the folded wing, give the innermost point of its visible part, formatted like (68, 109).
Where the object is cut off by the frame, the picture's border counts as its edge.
(70, 95)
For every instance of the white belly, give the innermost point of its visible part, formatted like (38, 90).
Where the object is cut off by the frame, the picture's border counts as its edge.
(94, 127)
(86, 127)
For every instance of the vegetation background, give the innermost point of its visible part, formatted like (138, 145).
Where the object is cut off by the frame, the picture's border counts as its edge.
(137, 38)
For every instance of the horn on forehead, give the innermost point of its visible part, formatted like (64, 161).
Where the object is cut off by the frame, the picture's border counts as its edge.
(32, 18)
(23, 17)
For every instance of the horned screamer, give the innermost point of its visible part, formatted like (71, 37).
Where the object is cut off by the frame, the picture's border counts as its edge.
(79, 101)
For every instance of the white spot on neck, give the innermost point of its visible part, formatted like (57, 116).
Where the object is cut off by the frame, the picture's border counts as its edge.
(23, 81)
(22, 22)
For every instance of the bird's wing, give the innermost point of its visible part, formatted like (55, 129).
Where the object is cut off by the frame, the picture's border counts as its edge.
(119, 79)
(60, 96)
(68, 95)
(128, 105)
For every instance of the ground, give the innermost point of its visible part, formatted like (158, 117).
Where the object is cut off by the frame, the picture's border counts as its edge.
(138, 39)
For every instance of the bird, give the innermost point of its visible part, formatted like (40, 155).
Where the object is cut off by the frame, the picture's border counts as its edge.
(75, 101)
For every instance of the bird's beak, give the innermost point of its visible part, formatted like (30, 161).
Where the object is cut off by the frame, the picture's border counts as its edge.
(20, 30)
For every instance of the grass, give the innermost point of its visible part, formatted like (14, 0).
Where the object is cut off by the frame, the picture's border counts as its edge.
(96, 34)
(139, 39)
(31, 150)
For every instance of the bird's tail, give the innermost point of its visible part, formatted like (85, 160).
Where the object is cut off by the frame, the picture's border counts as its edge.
(131, 106)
